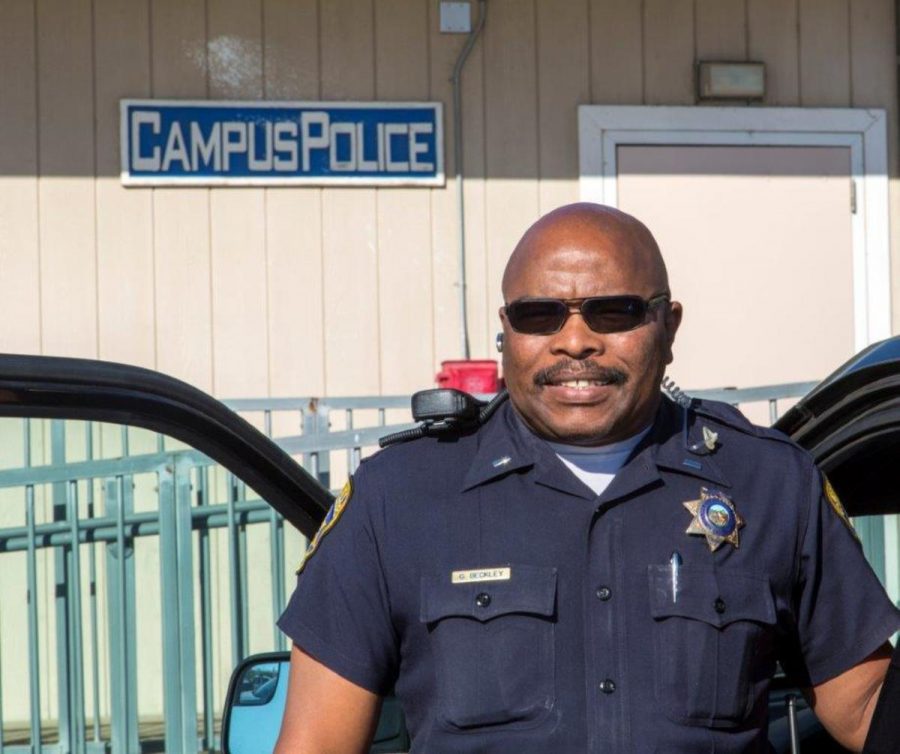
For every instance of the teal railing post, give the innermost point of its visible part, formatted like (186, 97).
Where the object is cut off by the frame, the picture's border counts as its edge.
(176, 574)
(34, 663)
(76, 688)
(62, 573)
(235, 582)
(206, 613)
(118, 499)
(168, 575)
(184, 543)
(276, 566)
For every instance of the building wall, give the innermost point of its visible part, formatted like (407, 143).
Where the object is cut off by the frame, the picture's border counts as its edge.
(251, 291)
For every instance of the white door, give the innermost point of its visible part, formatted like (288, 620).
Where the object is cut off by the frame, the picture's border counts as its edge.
(774, 223)
(759, 246)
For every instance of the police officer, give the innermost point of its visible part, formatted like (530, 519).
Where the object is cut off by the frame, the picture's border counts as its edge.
(596, 568)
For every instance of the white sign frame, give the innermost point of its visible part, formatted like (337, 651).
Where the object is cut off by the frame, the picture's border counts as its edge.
(127, 179)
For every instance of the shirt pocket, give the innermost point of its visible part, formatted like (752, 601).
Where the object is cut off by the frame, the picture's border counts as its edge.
(713, 645)
(493, 647)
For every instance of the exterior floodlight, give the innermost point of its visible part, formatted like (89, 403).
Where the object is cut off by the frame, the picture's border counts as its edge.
(720, 80)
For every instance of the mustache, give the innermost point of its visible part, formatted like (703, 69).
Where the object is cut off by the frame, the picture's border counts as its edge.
(580, 370)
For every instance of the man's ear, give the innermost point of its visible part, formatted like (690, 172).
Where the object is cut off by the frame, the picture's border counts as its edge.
(672, 322)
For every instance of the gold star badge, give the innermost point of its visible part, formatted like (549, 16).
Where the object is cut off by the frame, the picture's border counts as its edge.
(714, 518)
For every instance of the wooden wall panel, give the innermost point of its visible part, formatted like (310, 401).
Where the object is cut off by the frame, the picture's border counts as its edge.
(510, 40)
(824, 53)
(444, 51)
(617, 52)
(668, 52)
(352, 346)
(563, 83)
(512, 140)
(349, 216)
(125, 289)
(182, 280)
(239, 271)
(293, 215)
(238, 215)
(66, 189)
(291, 49)
(873, 58)
(404, 215)
(294, 269)
(772, 38)
(404, 243)
(721, 28)
(20, 315)
(181, 215)
(401, 50)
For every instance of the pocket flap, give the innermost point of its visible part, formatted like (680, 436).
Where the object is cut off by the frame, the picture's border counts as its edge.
(714, 596)
(529, 589)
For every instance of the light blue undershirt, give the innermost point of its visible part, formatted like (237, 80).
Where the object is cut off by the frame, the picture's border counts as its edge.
(596, 466)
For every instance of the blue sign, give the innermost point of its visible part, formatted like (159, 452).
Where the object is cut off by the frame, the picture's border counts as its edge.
(180, 142)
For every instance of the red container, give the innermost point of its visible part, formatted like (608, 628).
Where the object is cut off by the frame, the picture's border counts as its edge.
(472, 376)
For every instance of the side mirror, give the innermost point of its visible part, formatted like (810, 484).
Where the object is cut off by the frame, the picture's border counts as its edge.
(255, 703)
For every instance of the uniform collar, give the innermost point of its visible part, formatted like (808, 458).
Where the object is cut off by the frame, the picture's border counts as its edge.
(507, 445)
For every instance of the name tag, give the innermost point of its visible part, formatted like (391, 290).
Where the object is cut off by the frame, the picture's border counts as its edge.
(481, 574)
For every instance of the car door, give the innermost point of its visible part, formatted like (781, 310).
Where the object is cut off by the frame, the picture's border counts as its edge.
(140, 521)
(850, 423)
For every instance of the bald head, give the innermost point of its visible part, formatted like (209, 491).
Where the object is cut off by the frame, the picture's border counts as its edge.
(615, 245)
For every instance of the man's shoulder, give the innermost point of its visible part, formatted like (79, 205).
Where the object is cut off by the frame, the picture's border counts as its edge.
(731, 420)
(423, 460)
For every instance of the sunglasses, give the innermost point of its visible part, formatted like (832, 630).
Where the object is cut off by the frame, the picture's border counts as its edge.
(603, 314)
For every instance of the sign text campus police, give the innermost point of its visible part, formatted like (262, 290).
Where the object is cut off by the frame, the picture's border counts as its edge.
(174, 143)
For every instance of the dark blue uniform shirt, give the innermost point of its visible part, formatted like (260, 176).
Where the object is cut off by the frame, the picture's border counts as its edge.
(513, 610)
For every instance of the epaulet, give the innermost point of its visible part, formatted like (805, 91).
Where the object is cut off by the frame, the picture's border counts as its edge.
(730, 416)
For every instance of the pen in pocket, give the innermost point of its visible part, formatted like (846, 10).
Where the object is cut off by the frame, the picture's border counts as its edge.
(674, 568)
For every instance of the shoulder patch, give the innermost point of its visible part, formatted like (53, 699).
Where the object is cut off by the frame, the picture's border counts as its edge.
(331, 518)
(835, 502)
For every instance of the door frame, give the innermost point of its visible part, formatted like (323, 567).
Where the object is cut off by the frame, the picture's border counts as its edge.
(602, 128)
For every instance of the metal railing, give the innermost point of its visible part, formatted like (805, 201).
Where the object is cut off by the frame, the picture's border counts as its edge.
(136, 547)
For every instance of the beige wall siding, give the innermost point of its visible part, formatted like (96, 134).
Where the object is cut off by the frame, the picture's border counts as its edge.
(284, 291)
